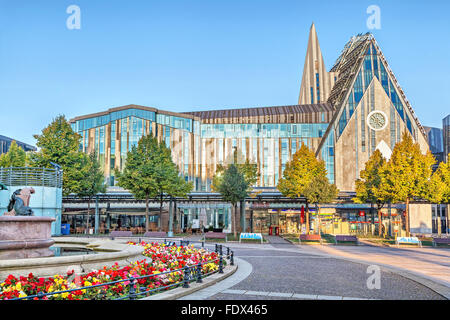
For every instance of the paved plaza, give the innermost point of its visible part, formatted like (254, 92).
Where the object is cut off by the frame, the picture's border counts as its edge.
(281, 270)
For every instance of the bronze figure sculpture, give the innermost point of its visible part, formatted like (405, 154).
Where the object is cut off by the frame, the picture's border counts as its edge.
(19, 203)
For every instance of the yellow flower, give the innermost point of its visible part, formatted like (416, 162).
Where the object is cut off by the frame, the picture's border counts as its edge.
(65, 294)
(22, 294)
(18, 286)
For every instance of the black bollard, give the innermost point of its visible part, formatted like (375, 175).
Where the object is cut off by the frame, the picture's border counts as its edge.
(199, 273)
(220, 264)
(186, 277)
(132, 292)
(232, 258)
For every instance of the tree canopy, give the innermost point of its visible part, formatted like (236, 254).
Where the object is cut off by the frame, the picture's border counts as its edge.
(439, 188)
(58, 143)
(407, 174)
(15, 157)
(244, 166)
(368, 185)
(234, 188)
(149, 172)
(299, 172)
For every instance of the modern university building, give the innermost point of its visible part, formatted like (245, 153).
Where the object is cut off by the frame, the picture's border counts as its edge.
(344, 115)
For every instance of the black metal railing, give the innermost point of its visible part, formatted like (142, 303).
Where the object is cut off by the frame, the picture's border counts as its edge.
(190, 274)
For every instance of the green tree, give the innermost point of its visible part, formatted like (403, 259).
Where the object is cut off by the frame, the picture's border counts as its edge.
(247, 168)
(368, 187)
(299, 173)
(15, 157)
(407, 174)
(234, 188)
(318, 191)
(58, 143)
(149, 172)
(93, 181)
(439, 187)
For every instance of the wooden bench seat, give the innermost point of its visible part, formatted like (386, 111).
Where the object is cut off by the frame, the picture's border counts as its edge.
(121, 233)
(155, 234)
(345, 238)
(215, 235)
(437, 241)
(310, 237)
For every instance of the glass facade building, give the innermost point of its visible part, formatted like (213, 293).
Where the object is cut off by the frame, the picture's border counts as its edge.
(435, 140)
(199, 145)
(5, 143)
(446, 137)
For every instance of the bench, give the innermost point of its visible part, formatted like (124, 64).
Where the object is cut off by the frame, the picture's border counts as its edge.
(215, 235)
(155, 234)
(437, 241)
(309, 237)
(345, 238)
(408, 240)
(121, 234)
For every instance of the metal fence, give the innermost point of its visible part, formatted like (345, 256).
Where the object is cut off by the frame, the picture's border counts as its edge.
(191, 274)
(33, 177)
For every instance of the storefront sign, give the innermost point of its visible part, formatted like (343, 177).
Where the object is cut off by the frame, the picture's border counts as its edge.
(252, 236)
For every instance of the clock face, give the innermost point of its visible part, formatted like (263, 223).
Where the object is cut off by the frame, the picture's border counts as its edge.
(376, 120)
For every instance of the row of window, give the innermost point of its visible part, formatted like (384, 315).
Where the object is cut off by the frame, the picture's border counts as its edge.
(307, 130)
(168, 120)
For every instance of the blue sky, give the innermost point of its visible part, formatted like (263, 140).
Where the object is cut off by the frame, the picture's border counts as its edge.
(200, 55)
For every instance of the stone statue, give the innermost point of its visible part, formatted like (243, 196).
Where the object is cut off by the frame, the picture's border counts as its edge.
(19, 203)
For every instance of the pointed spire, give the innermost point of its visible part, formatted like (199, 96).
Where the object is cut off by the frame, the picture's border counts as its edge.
(316, 81)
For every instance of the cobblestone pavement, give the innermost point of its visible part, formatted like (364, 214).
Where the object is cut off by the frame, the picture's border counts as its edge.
(281, 270)
(431, 263)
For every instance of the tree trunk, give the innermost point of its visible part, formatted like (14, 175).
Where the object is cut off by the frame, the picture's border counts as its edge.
(319, 229)
(171, 216)
(379, 221)
(87, 218)
(160, 214)
(407, 217)
(234, 221)
(307, 218)
(372, 219)
(146, 213)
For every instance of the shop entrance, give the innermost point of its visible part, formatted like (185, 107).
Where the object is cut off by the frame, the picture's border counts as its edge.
(277, 222)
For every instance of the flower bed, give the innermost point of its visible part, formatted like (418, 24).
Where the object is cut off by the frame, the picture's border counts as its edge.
(164, 258)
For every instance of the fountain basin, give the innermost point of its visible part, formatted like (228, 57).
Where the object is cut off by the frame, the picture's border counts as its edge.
(24, 237)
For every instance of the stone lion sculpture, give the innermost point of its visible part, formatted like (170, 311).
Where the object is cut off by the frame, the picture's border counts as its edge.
(19, 203)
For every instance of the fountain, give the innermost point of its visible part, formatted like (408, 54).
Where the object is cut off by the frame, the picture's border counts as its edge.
(26, 241)
(23, 235)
